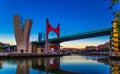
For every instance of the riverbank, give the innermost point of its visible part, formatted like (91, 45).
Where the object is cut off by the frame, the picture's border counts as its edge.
(115, 56)
(33, 55)
(29, 55)
(95, 53)
(111, 55)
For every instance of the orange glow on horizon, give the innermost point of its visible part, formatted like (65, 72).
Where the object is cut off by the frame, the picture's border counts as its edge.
(76, 46)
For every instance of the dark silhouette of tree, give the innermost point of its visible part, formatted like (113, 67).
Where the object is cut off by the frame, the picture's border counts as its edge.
(1, 48)
(113, 2)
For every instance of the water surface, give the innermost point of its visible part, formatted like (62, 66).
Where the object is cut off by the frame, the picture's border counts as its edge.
(74, 64)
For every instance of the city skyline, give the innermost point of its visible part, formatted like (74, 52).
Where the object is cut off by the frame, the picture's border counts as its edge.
(73, 16)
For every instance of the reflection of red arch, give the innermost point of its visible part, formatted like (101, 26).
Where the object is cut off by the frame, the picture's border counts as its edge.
(53, 62)
(50, 28)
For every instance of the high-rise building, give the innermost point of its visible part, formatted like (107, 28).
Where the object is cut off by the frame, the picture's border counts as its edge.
(22, 33)
(41, 36)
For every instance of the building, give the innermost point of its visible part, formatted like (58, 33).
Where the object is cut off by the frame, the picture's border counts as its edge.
(22, 33)
(106, 45)
(90, 47)
(99, 47)
(103, 46)
(41, 36)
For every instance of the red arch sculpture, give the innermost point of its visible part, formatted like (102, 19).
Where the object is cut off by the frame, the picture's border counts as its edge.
(50, 28)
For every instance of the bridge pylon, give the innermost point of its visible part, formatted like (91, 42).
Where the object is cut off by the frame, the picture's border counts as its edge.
(49, 28)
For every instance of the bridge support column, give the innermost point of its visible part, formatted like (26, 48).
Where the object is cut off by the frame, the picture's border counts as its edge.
(48, 29)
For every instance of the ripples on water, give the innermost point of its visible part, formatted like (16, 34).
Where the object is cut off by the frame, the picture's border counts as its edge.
(74, 64)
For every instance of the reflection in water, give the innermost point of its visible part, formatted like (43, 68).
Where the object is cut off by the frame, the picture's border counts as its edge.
(84, 65)
(61, 65)
(115, 69)
(48, 65)
(114, 65)
(22, 67)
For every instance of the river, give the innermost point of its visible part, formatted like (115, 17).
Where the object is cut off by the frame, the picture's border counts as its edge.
(72, 64)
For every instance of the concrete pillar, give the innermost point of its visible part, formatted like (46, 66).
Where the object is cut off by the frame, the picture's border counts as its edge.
(22, 33)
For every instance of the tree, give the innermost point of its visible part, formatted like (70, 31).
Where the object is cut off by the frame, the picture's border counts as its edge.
(113, 2)
(116, 16)
(1, 48)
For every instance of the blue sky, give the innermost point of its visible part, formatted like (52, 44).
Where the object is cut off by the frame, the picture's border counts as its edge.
(74, 16)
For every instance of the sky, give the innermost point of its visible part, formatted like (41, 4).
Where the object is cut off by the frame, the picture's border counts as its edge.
(74, 16)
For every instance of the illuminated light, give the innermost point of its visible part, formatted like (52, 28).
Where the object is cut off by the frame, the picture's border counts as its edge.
(115, 39)
(115, 49)
(115, 30)
(114, 22)
(114, 26)
(116, 69)
(116, 72)
(116, 53)
(115, 44)
(115, 35)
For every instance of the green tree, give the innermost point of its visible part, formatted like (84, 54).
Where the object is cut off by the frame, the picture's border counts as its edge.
(117, 12)
(113, 2)
(116, 15)
(1, 48)
(104, 49)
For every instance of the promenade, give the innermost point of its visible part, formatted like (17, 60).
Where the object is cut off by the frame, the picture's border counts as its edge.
(29, 55)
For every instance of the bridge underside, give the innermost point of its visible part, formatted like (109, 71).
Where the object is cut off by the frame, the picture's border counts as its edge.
(82, 36)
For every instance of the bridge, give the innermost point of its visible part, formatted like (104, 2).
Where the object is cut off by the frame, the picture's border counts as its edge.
(96, 33)
(55, 42)
(51, 45)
